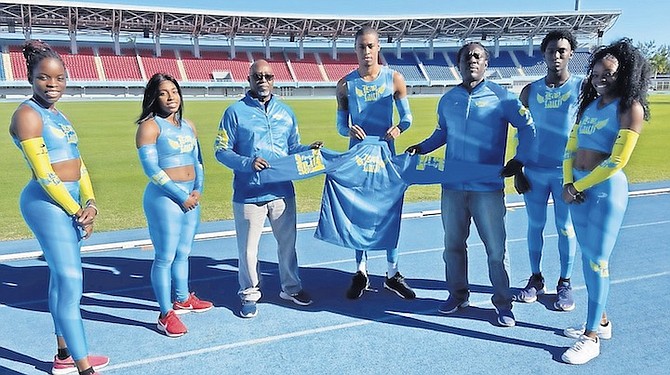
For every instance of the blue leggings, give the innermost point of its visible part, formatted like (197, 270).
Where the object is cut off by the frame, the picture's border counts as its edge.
(172, 231)
(391, 256)
(60, 239)
(545, 181)
(597, 223)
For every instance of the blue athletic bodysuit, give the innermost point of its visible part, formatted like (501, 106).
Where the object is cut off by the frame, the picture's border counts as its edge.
(58, 233)
(171, 229)
(598, 219)
(554, 111)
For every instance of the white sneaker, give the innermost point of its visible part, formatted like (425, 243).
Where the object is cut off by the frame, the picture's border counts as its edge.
(604, 332)
(582, 351)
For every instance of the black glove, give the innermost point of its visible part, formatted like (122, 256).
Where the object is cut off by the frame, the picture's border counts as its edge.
(511, 168)
(521, 183)
(414, 149)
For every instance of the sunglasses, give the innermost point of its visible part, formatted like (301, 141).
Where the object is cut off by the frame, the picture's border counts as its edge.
(469, 55)
(259, 77)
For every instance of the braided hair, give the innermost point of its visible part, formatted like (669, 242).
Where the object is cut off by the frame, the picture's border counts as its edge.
(34, 51)
(633, 76)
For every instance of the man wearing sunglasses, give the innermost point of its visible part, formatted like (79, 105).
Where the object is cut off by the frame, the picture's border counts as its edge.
(365, 99)
(254, 131)
(472, 122)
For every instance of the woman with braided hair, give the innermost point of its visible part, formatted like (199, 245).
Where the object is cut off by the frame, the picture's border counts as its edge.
(613, 107)
(57, 203)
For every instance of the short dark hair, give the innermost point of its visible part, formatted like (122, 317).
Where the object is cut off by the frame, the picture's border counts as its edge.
(466, 46)
(365, 30)
(556, 35)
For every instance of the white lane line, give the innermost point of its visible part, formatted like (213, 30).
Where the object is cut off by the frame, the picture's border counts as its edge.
(393, 315)
(231, 233)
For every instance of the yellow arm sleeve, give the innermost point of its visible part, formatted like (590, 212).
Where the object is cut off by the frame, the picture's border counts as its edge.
(569, 156)
(621, 152)
(85, 186)
(36, 153)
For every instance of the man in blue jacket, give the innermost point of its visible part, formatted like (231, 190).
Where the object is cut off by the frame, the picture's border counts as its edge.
(253, 132)
(472, 122)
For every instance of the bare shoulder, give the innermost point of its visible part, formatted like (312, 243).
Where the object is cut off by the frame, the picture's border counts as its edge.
(147, 132)
(26, 123)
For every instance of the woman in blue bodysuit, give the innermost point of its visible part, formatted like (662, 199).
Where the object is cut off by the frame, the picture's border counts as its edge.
(609, 120)
(168, 150)
(58, 203)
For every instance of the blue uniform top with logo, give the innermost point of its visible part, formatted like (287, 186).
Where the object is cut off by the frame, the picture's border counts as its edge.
(371, 103)
(251, 129)
(598, 127)
(175, 144)
(474, 125)
(554, 111)
(59, 136)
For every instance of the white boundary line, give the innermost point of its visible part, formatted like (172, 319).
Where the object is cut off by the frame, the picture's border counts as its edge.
(231, 233)
(393, 315)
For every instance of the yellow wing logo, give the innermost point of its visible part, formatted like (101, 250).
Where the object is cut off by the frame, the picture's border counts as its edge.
(381, 90)
(540, 98)
(174, 144)
(566, 96)
(601, 124)
(359, 92)
(221, 141)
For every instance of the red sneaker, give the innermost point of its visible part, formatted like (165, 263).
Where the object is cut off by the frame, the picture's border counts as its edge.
(67, 366)
(192, 303)
(171, 325)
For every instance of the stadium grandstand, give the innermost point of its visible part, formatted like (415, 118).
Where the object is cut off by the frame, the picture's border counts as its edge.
(111, 50)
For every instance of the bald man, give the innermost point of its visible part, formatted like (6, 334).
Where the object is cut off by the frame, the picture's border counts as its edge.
(253, 132)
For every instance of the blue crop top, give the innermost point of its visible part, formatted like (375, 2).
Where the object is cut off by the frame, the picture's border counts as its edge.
(174, 144)
(59, 136)
(598, 127)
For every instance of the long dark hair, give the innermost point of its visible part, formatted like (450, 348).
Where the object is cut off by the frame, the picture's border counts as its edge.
(150, 102)
(34, 51)
(633, 76)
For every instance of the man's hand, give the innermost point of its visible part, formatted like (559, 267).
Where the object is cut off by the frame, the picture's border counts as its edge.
(511, 168)
(357, 132)
(392, 133)
(414, 149)
(316, 145)
(259, 164)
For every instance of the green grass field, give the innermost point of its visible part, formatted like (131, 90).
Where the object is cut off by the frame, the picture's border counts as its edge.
(106, 131)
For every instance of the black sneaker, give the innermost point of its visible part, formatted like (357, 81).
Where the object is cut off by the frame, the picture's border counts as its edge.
(359, 283)
(301, 298)
(398, 285)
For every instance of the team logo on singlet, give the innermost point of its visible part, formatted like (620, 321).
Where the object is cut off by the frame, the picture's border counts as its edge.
(64, 131)
(370, 93)
(221, 141)
(183, 143)
(553, 99)
(427, 161)
(370, 163)
(311, 163)
(590, 125)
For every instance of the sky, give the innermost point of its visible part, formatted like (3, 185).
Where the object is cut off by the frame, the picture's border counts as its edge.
(640, 20)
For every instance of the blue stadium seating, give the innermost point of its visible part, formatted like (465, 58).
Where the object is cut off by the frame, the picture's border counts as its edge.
(532, 65)
(503, 64)
(406, 65)
(437, 68)
(579, 63)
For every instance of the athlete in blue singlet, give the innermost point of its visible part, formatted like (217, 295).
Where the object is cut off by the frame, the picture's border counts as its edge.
(552, 101)
(365, 99)
(170, 155)
(58, 203)
(610, 118)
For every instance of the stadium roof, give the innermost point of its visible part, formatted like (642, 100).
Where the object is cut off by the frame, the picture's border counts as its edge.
(93, 18)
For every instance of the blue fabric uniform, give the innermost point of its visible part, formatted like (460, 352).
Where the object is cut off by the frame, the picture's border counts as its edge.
(58, 233)
(371, 108)
(474, 126)
(250, 129)
(554, 110)
(364, 188)
(598, 219)
(171, 229)
(371, 104)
